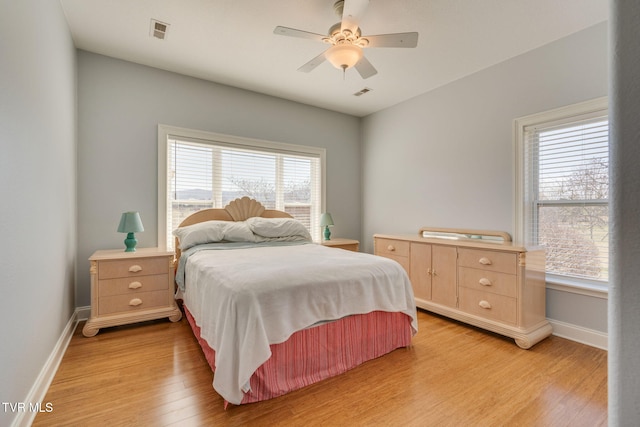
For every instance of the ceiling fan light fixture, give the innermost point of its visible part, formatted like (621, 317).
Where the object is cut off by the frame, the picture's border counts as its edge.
(343, 56)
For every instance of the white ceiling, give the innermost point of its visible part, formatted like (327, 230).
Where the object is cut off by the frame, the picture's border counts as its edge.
(232, 41)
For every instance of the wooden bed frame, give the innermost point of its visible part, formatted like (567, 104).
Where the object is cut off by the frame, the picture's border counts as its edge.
(377, 333)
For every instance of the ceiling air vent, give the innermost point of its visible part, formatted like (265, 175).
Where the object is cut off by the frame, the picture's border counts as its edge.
(362, 91)
(158, 29)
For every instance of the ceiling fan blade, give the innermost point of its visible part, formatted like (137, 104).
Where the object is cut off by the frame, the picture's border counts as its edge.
(292, 32)
(352, 12)
(393, 40)
(365, 69)
(311, 65)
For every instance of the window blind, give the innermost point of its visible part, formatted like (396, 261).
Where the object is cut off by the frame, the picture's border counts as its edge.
(567, 194)
(210, 174)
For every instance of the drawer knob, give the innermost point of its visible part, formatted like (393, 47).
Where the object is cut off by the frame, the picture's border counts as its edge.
(484, 304)
(485, 261)
(485, 282)
(135, 285)
(135, 302)
(391, 248)
(135, 268)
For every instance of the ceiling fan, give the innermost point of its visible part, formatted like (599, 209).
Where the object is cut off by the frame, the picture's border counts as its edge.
(347, 42)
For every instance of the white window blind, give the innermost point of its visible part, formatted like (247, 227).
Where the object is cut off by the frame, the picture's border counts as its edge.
(204, 174)
(566, 181)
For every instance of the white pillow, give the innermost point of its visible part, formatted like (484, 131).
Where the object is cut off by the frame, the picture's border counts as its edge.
(212, 232)
(237, 232)
(278, 228)
(197, 234)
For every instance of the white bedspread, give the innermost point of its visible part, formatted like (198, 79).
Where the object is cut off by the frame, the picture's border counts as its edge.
(246, 299)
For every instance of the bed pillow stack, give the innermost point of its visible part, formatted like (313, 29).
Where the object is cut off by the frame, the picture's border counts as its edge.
(256, 229)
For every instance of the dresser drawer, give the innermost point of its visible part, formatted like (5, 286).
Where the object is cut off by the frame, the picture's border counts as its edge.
(132, 285)
(387, 247)
(488, 305)
(504, 262)
(488, 281)
(139, 301)
(111, 269)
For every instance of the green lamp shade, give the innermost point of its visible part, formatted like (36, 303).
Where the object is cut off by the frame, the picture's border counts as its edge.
(130, 223)
(326, 221)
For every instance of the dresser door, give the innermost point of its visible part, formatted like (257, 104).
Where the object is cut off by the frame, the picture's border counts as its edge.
(420, 273)
(444, 275)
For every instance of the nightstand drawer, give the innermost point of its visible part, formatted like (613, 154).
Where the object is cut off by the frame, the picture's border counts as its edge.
(132, 285)
(488, 281)
(503, 262)
(132, 267)
(138, 301)
(488, 305)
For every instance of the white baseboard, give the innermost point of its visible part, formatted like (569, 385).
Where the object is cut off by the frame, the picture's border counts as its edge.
(582, 335)
(39, 389)
(83, 313)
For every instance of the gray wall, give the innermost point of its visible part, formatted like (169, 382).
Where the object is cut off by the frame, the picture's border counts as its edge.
(38, 176)
(120, 105)
(446, 158)
(624, 297)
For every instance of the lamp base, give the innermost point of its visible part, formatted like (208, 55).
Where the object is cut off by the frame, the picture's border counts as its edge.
(130, 242)
(327, 233)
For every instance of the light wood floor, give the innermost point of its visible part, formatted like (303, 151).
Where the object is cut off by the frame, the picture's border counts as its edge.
(154, 374)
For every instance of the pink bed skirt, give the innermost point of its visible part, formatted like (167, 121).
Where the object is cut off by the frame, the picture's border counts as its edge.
(321, 352)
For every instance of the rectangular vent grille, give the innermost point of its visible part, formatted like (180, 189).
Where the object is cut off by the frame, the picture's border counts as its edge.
(362, 91)
(159, 29)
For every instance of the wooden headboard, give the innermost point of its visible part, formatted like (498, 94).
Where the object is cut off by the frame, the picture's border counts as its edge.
(236, 210)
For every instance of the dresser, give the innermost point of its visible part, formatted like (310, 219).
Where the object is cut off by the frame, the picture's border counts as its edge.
(128, 287)
(477, 277)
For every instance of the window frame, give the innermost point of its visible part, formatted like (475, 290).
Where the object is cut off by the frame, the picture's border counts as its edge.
(166, 132)
(592, 107)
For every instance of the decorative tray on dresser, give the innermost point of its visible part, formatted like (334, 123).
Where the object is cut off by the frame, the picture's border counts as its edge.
(128, 287)
(477, 277)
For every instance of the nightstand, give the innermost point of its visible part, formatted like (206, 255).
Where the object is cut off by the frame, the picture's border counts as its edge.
(128, 287)
(348, 244)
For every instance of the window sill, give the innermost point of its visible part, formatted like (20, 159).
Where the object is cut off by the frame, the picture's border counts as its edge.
(574, 286)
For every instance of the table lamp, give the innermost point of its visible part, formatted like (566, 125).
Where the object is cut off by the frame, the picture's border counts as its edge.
(130, 223)
(326, 221)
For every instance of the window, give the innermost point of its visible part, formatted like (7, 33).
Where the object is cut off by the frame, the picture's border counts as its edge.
(199, 170)
(563, 190)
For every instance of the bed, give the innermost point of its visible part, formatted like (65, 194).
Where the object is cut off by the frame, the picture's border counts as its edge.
(274, 312)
